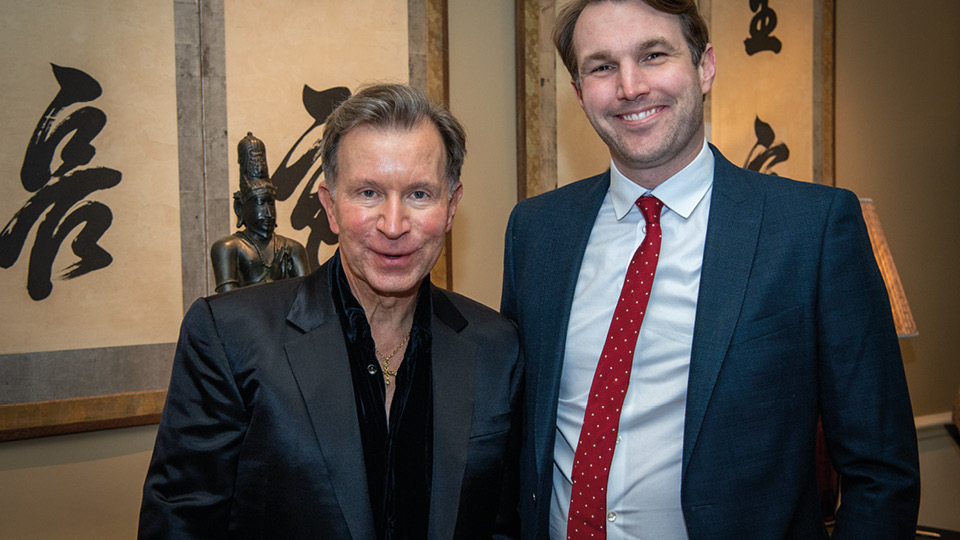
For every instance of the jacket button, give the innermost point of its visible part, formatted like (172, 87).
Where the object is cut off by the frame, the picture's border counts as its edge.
(534, 497)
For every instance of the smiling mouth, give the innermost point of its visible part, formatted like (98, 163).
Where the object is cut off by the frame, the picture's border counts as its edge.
(632, 117)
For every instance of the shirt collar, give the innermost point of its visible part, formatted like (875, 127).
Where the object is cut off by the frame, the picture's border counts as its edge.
(353, 316)
(680, 193)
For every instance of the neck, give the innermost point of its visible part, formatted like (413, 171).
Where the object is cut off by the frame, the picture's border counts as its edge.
(389, 317)
(649, 177)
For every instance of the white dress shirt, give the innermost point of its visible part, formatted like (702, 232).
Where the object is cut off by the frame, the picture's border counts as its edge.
(643, 490)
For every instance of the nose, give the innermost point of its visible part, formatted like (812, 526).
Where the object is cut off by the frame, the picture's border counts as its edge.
(631, 82)
(394, 221)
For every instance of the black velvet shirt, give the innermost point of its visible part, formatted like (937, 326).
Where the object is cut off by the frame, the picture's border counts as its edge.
(398, 457)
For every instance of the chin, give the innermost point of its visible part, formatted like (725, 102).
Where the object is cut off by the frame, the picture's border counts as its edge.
(399, 289)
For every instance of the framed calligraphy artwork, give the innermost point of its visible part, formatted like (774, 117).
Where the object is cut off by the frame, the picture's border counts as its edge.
(90, 269)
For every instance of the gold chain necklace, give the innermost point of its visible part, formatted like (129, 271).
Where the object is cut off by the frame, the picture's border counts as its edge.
(387, 372)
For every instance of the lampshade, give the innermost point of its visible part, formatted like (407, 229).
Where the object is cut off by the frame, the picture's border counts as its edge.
(902, 317)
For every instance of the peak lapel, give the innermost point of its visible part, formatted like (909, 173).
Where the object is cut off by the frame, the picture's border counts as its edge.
(732, 232)
(453, 364)
(319, 363)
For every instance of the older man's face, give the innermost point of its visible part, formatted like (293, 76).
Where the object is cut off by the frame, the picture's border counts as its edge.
(392, 208)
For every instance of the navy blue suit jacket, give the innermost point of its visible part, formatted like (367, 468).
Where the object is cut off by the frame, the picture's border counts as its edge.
(793, 323)
(260, 439)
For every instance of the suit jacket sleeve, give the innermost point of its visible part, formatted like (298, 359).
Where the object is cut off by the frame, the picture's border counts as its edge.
(508, 292)
(189, 485)
(865, 407)
(508, 517)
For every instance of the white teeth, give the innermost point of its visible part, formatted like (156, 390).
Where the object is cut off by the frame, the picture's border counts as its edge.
(641, 115)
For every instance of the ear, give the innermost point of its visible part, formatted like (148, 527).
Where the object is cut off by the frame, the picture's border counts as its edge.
(576, 90)
(707, 69)
(326, 199)
(452, 207)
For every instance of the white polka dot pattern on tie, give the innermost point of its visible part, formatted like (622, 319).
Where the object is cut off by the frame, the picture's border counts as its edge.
(588, 503)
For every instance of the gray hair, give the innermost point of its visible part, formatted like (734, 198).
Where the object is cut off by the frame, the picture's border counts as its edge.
(392, 106)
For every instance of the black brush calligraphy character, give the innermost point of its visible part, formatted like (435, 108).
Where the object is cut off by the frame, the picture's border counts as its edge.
(761, 29)
(765, 154)
(60, 203)
(308, 212)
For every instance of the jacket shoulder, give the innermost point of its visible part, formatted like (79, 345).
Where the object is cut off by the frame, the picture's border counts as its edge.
(247, 301)
(479, 321)
(731, 179)
(574, 192)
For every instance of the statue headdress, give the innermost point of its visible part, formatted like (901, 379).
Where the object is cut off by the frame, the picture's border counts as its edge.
(254, 176)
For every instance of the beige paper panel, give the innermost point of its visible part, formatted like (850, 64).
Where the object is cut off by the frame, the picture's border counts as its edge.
(274, 49)
(128, 47)
(777, 88)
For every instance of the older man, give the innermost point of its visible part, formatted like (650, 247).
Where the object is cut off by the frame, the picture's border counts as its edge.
(685, 323)
(359, 401)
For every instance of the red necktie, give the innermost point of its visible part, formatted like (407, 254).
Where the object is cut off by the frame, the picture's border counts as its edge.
(598, 436)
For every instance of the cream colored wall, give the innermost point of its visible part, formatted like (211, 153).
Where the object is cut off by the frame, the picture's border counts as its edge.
(74, 487)
(482, 96)
(898, 135)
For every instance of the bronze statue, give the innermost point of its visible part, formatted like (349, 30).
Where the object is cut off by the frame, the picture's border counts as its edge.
(255, 253)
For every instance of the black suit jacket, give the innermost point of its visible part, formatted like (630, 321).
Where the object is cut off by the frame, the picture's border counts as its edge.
(792, 324)
(260, 439)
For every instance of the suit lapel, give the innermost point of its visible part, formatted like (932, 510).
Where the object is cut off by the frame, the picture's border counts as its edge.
(318, 360)
(453, 362)
(732, 232)
(562, 257)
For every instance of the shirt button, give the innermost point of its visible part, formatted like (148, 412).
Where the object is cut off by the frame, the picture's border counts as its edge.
(371, 369)
(534, 496)
(618, 439)
(611, 516)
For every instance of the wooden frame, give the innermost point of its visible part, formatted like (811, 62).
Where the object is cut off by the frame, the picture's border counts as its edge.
(62, 416)
(536, 98)
(204, 208)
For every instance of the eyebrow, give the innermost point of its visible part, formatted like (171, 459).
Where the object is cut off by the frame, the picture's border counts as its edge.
(416, 185)
(653, 43)
(426, 185)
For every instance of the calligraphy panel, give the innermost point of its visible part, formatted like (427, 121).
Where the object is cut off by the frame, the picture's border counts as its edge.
(90, 246)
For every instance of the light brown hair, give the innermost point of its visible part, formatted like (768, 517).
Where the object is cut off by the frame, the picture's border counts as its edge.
(691, 22)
